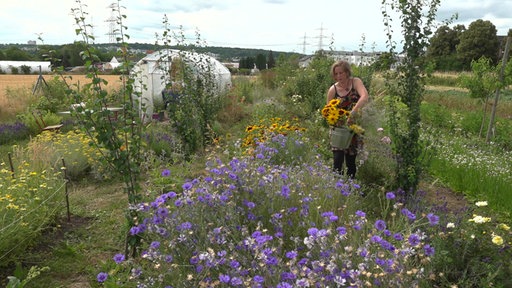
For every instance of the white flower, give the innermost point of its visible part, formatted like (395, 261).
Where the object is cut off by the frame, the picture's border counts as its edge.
(380, 129)
(385, 140)
(450, 225)
(479, 219)
(481, 203)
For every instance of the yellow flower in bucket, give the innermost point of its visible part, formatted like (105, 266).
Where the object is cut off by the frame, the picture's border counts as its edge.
(333, 113)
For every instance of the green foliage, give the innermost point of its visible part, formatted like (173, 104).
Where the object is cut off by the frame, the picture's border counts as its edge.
(479, 40)
(310, 83)
(34, 272)
(482, 81)
(25, 69)
(35, 120)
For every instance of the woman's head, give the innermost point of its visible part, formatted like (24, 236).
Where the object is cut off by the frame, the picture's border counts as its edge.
(343, 65)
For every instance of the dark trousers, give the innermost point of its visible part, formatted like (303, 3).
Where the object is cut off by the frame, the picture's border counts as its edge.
(341, 156)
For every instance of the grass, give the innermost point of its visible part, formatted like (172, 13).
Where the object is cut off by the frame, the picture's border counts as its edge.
(74, 249)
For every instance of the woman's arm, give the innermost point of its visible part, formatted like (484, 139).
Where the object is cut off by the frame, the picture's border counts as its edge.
(330, 94)
(363, 93)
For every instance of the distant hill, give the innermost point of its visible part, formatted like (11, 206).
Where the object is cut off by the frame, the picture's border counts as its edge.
(224, 54)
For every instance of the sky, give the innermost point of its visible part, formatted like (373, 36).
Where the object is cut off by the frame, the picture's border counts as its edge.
(302, 26)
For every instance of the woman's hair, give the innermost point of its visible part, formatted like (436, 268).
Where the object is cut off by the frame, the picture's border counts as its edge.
(344, 65)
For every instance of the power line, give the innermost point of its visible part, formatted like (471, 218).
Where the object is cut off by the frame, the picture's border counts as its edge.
(321, 37)
(304, 44)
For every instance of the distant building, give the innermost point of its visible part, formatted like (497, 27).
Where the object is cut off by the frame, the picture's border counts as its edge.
(31, 42)
(353, 57)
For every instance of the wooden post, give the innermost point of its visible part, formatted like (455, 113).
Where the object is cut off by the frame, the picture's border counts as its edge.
(10, 163)
(497, 97)
(66, 188)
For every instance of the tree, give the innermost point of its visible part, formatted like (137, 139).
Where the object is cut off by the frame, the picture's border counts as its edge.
(444, 42)
(405, 87)
(16, 54)
(271, 62)
(478, 40)
(384, 61)
(246, 63)
(442, 50)
(481, 83)
(261, 61)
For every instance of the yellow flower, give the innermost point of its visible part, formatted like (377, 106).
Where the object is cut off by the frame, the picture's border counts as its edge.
(356, 129)
(497, 240)
(504, 226)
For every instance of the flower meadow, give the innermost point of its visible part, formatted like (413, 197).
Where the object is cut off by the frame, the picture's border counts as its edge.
(30, 200)
(472, 166)
(252, 222)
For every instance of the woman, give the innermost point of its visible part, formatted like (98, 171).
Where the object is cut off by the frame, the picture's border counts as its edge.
(353, 96)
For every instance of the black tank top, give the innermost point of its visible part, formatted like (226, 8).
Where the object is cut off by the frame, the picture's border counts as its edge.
(348, 101)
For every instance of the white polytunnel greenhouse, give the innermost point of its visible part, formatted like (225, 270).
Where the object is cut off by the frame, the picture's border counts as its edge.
(153, 73)
(34, 66)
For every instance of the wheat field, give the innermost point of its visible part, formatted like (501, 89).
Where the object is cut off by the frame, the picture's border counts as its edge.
(16, 90)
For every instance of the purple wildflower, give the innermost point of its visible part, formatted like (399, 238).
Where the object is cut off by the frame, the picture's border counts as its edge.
(258, 279)
(312, 231)
(341, 230)
(429, 251)
(166, 173)
(433, 219)
(376, 239)
(187, 186)
(408, 213)
(118, 258)
(398, 237)
(285, 191)
(154, 245)
(235, 281)
(380, 225)
(360, 213)
(102, 277)
(414, 240)
(291, 254)
(390, 195)
(234, 264)
(224, 278)
(134, 230)
(162, 212)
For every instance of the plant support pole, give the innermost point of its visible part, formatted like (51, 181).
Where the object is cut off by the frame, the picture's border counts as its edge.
(66, 188)
(497, 97)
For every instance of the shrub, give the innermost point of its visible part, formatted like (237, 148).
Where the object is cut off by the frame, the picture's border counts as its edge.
(49, 148)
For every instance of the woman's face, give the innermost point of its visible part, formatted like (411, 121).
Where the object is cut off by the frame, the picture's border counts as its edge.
(340, 74)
